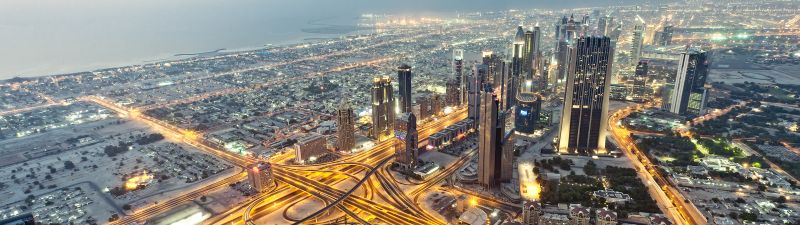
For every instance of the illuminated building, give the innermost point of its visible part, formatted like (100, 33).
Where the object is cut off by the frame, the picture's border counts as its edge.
(382, 108)
(476, 81)
(404, 87)
(309, 148)
(406, 153)
(531, 212)
(260, 176)
(565, 36)
(516, 69)
(437, 104)
(345, 131)
(425, 107)
(458, 67)
(641, 91)
(474, 216)
(689, 93)
(532, 59)
(637, 41)
(490, 133)
(585, 114)
(526, 114)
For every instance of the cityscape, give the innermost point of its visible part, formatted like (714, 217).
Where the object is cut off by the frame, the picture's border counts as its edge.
(677, 112)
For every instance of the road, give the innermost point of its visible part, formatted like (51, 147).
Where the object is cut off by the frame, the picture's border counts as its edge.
(669, 199)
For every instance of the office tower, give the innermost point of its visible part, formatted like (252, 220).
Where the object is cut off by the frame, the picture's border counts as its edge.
(505, 146)
(406, 154)
(532, 59)
(526, 115)
(637, 41)
(475, 82)
(531, 212)
(563, 49)
(516, 68)
(641, 91)
(260, 176)
(458, 67)
(666, 36)
(404, 89)
(665, 93)
(689, 93)
(425, 107)
(345, 131)
(382, 108)
(309, 148)
(489, 155)
(452, 93)
(437, 104)
(585, 114)
(605, 25)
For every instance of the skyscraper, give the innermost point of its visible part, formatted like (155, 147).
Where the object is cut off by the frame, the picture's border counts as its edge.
(637, 41)
(489, 153)
(476, 80)
(260, 176)
(345, 131)
(585, 114)
(527, 112)
(666, 36)
(382, 108)
(689, 94)
(566, 37)
(452, 93)
(517, 63)
(641, 91)
(406, 153)
(458, 67)
(404, 90)
(605, 25)
(532, 59)
(425, 107)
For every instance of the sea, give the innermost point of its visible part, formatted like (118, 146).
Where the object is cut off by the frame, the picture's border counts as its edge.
(48, 37)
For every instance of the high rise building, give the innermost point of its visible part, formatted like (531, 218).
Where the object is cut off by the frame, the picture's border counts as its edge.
(425, 107)
(689, 93)
(476, 80)
(637, 41)
(666, 36)
(532, 60)
(563, 49)
(526, 114)
(490, 143)
(641, 91)
(605, 25)
(383, 110)
(260, 176)
(309, 148)
(452, 93)
(437, 104)
(406, 153)
(517, 63)
(345, 131)
(404, 90)
(585, 114)
(458, 67)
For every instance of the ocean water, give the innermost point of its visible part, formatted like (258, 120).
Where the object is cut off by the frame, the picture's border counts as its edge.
(45, 37)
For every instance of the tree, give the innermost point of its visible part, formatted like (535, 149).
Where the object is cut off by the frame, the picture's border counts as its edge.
(126, 207)
(69, 165)
(590, 168)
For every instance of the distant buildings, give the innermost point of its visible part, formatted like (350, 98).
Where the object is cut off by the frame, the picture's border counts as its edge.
(641, 91)
(585, 114)
(605, 25)
(526, 114)
(452, 93)
(382, 108)
(637, 41)
(404, 87)
(345, 131)
(406, 155)
(689, 93)
(260, 176)
(309, 148)
(665, 36)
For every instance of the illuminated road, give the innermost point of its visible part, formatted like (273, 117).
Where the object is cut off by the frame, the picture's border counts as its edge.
(672, 202)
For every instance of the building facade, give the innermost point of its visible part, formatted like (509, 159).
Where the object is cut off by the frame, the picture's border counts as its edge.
(489, 149)
(383, 112)
(260, 176)
(406, 151)
(584, 117)
(640, 90)
(689, 92)
(345, 128)
(310, 147)
(404, 77)
(526, 114)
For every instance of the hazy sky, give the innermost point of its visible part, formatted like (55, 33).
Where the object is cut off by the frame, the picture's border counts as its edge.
(40, 37)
